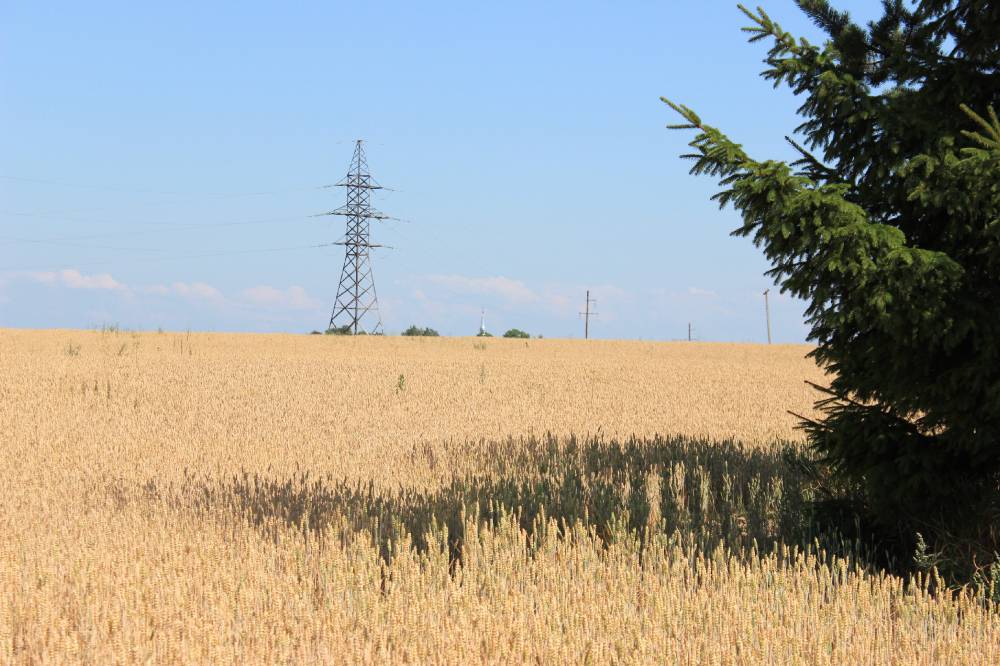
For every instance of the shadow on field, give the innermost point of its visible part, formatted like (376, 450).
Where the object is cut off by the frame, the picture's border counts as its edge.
(708, 492)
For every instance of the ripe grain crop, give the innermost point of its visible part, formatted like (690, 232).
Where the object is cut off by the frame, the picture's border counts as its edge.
(219, 498)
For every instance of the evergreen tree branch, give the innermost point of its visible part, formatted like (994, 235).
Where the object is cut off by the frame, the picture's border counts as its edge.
(991, 127)
(833, 90)
(815, 169)
(823, 248)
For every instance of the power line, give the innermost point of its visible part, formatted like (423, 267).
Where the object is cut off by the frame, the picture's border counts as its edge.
(7, 240)
(162, 229)
(128, 190)
(186, 257)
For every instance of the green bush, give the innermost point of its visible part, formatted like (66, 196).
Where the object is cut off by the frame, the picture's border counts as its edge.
(417, 331)
(516, 333)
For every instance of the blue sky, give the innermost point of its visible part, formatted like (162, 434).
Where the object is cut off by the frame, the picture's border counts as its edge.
(160, 162)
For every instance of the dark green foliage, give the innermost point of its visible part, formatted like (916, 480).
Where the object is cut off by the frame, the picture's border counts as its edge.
(417, 331)
(484, 334)
(889, 227)
(516, 333)
(345, 330)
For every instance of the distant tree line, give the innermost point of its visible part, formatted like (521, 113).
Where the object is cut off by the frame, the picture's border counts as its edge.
(516, 333)
(423, 332)
(416, 331)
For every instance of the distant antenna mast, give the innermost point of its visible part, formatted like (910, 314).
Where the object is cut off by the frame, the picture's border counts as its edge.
(356, 299)
(587, 314)
(482, 322)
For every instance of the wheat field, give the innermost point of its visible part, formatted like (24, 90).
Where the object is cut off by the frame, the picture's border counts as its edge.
(223, 498)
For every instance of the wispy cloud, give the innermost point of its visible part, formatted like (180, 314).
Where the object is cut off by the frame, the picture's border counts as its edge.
(292, 298)
(73, 279)
(512, 291)
(171, 302)
(462, 295)
(197, 290)
(702, 306)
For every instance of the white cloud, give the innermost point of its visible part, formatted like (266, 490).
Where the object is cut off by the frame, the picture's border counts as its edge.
(74, 279)
(452, 293)
(197, 290)
(513, 291)
(701, 293)
(188, 290)
(560, 302)
(568, 300)
(293, 298)
(160, 302)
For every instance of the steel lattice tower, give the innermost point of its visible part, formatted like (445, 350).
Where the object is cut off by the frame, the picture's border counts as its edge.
(356, 299)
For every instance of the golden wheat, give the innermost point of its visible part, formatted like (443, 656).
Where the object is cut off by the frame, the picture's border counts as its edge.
(210, 498)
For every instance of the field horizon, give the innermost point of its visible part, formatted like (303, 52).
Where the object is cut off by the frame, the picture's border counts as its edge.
(115, 328)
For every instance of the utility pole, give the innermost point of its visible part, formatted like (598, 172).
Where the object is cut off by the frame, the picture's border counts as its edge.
(356, 298)
(767, 314)
(587, 314)
(689, 331)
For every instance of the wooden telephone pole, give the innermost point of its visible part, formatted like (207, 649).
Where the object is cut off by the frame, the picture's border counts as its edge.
(767, 314)
(587, 314)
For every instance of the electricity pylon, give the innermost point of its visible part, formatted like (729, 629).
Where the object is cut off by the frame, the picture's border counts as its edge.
(357, 302)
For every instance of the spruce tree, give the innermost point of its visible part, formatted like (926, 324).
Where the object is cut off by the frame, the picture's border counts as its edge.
(888, 226)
